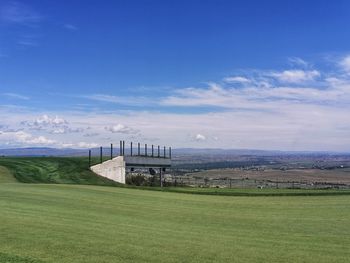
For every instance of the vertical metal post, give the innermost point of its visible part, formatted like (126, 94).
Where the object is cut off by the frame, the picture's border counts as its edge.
(131, 148)
(158, 151)
(89, 158)
(146, 149)
(164, 152)
(152, 150)
(111, 151)
(169, 152)
(101, 154)
(161, 177)
(138, 148)
(120, 148)
(123, 148)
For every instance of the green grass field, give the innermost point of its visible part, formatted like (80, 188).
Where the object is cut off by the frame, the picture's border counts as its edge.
(87, 223)
(58, 170)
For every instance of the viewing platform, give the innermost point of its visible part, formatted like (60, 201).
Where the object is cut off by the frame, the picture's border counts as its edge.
(115, 168)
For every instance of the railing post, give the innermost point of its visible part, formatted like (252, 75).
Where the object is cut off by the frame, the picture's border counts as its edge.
(101, 154)
(164, 152)
(170, 152)
(111, 151)
(158, 151)
(123, 148)
(120, 148)
(131, 148)
(138, 149)
(146, 149)
(89, 158)
(152, 151)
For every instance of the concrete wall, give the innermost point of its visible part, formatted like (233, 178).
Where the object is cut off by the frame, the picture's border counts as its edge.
(113, 169)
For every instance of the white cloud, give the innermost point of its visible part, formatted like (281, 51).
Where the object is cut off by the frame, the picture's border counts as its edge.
(66, 129)
(345, 63)
(45, 121)
(296, 76)
(285, 126)
(120, 128)
(237, 79)
(24, 138)
(86, 145)
(200, 137)
(53, 125)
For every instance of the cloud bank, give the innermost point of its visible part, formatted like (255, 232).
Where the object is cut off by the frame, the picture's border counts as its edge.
(298, 108)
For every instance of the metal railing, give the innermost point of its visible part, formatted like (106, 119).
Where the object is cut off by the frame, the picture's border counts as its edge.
(155, 151)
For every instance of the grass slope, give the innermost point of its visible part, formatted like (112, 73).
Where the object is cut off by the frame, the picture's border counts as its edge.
(6, 176)
(75, 223)
(66, 170)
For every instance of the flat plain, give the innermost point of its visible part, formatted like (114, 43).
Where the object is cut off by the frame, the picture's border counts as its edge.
(304, 175)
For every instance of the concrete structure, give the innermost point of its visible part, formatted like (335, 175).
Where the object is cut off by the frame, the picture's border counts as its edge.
(115, 169)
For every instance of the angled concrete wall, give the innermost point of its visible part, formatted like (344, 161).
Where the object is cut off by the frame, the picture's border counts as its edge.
(112, 169)
(115, 169)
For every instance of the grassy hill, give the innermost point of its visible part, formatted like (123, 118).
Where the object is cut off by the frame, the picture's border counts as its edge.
(67, 170)
(75, 223)
(71, 222)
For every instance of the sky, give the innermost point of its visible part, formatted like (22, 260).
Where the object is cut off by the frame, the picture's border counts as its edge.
(271, 75)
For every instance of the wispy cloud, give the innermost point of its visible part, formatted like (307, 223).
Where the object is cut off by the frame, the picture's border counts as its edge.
(18, 13)
(122, 100)
(16, 96)
(27, 43)
(237, 79)
(70, 27)
(296, 76)
(299, 62)
(24, 22)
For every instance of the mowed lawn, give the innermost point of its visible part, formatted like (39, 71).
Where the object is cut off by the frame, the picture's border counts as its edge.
(75, 223)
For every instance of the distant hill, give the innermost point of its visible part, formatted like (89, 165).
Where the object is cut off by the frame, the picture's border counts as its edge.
(46, 151)
(42, 151)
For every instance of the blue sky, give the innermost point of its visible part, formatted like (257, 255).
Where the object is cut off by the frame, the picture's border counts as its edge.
(230, 74)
